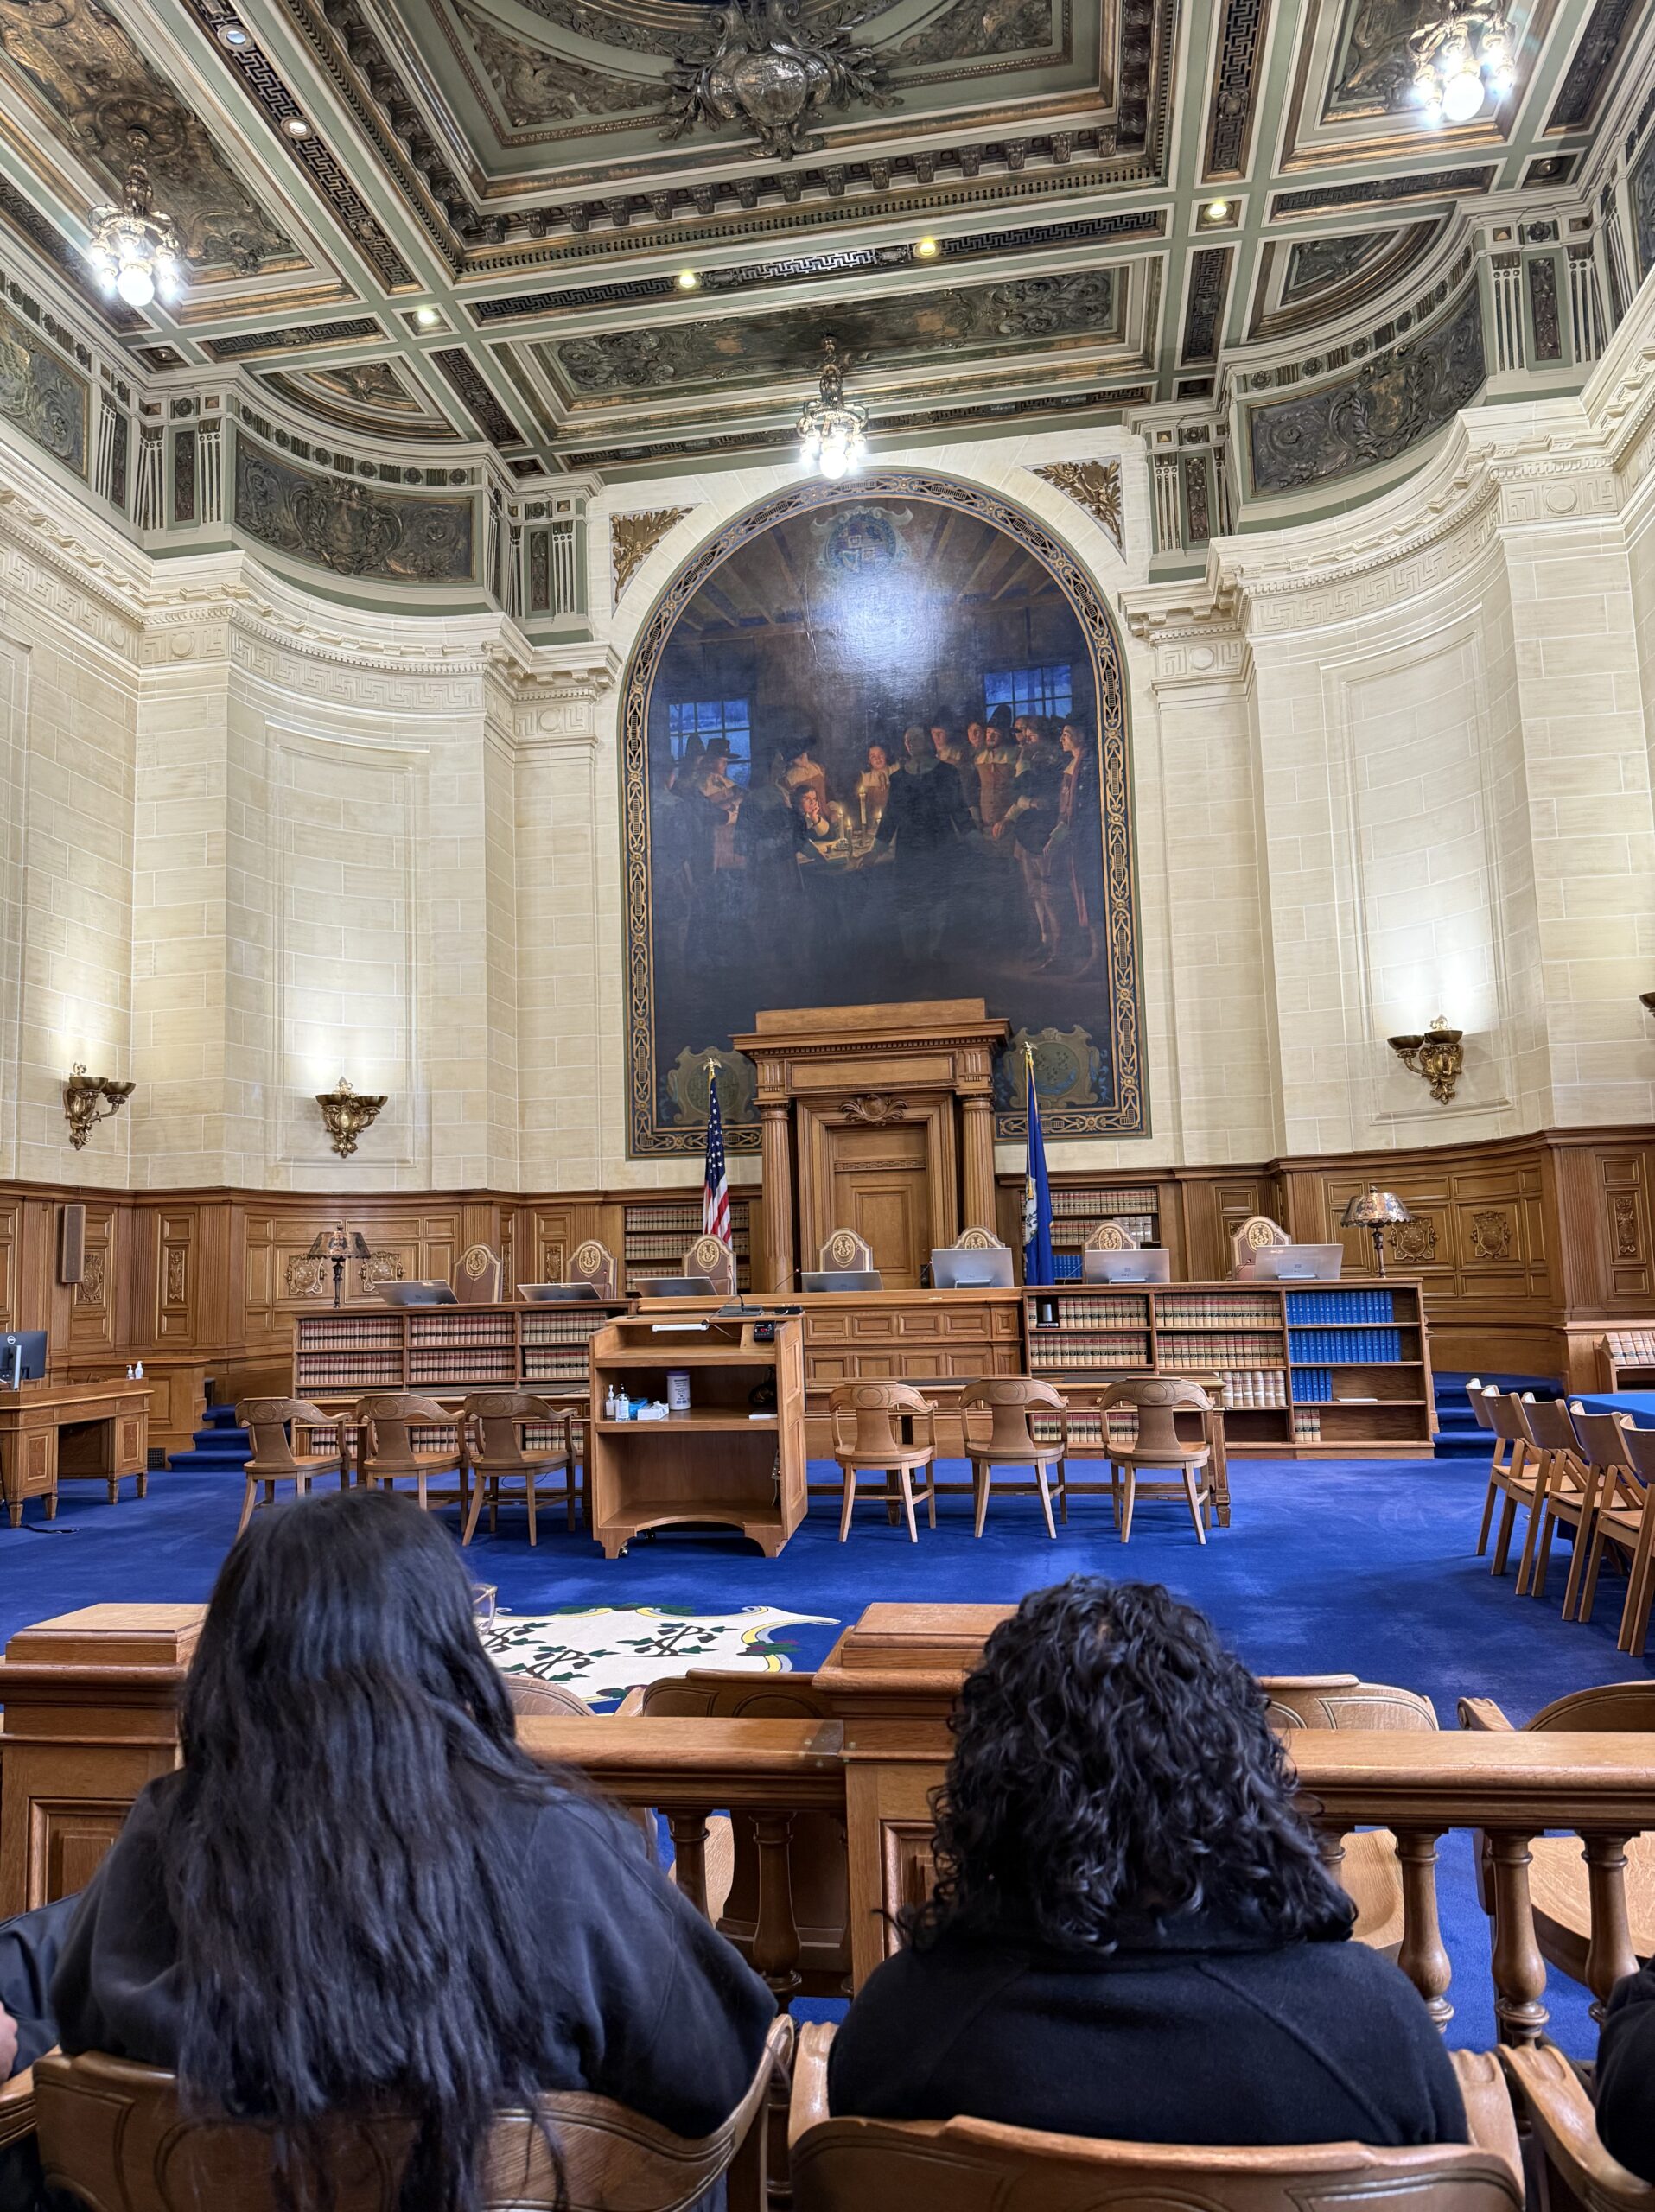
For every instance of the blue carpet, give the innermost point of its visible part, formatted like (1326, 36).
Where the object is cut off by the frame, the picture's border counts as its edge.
(1365, 1568)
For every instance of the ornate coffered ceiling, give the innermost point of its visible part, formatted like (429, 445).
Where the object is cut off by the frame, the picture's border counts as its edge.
(464, 222)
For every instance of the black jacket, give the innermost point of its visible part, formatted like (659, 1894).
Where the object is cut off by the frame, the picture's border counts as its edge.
(1194, 2037)
(1626, 2074)
(645, 2002)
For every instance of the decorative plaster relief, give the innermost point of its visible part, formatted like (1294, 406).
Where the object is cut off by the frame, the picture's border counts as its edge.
(348, 529)
(42, 394)
(1095, 486)
(633, 537)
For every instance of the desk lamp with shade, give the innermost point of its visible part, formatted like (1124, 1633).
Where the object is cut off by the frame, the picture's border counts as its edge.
(1375, 1211)
(339, 1245)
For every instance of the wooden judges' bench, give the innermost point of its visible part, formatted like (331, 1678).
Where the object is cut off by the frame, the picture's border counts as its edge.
(89, 1703)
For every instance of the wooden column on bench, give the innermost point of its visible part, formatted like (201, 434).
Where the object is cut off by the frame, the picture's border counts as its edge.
(91, 1716)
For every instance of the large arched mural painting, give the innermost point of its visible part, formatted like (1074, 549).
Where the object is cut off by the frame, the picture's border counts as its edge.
(874, 748)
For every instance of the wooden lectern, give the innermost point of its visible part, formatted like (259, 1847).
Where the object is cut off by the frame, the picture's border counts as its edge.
(876, 1117)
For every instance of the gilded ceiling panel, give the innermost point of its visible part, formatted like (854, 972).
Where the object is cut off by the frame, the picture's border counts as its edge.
(81, 66)
(368, 396)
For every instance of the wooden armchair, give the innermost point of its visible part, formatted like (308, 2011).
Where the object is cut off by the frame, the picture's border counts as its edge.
(713, 1262)
(1258, 1233)
(384, 1425)
(596, 1264)
(1368, 1867)
(493, 1423)
(976, 2165)
(876, 1443)
(1549, 2094)
(1157, 1399)
(1007, 1439)
(1109, 1237)
(1563, 1871)
(727, 1867)
(480, 1278)
(846, 1253)
(117, 2136)
(1564, 1493)
(268, 1422)
(1624, 1459)
(1517, 1482)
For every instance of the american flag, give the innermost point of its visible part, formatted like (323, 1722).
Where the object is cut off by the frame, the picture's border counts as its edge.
(715, 1184)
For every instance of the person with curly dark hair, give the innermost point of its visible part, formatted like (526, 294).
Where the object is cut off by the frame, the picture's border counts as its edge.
(1130, 1934)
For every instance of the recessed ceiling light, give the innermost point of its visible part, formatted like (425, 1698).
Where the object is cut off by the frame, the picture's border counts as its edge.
(926, 249)
(296, 127)
(688, 280)
(427, 318)
(1215, 210)
(232, 34)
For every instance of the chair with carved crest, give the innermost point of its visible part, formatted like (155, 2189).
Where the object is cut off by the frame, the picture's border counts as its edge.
(713, 1262)
(977, 1240)
(1109, 1237)
(1158, 1450)
(480, 1277)
(276, 1424)
(389, 1429)
(846, 1253)
(595, 1265)
(877, 1444)
(1006, 1437)
(501, 1448)
(1258, 1233)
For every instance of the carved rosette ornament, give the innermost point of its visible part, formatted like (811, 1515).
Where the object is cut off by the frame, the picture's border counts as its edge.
(766, 72)
(633, 537)
(1095, 486)
(874, 1111)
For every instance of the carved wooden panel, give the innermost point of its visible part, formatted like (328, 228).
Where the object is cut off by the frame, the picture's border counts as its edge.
(68, 1843)
(93, 1318)
(10, 1238)
(175, 1288)
(1624, 1221)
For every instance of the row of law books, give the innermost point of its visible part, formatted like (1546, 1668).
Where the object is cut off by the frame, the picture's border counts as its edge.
(1251, 1387)
(1382, 1347)
(1306, 1425)
(1084, 1312)
(1330, 1307)
(451, 1328)
(1209, 1311)
(1630, 1345)
(1231, 1348)
(1053, 1352)
(562, 1325)
(1140, 1227)
(1093, 1204)
(344, 1334)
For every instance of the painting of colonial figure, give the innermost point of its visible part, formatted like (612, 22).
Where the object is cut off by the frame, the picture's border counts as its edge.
(874, 750)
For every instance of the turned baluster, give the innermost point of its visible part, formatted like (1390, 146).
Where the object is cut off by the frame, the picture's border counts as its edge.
(689, 1834)
(1610, 1956)
(775, 1934)
(1422, 1956)
(1330, 1848)
(1519, 1970)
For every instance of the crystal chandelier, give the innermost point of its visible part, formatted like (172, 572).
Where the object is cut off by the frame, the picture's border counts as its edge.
(1460, 62)
(832, 429)
(134, 249)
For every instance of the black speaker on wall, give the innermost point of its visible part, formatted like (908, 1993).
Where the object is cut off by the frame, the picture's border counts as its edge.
(72, 1245)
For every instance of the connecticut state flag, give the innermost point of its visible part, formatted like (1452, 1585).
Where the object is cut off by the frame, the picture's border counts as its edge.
(1038, 1265)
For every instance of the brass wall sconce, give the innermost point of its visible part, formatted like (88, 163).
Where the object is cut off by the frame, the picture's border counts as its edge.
(1647, 1000)
(1438, 1056)
(348, 1115)
(338, 1246)
(1375, 1211)
(89, 1099)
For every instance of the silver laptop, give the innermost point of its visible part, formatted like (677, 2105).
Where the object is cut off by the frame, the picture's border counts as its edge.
(556, 1293)
(1298, 1262)
(951, 1269)
(844, 1279)
(417, 1294)
(676, 1286)
(1151, 1264)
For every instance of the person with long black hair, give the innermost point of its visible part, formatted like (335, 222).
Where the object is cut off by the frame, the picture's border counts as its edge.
(1130, 1934)
(358, 1894)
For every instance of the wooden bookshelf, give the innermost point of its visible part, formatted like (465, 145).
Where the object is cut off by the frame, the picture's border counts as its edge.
(717, 1462)
(656, 1233)
(1076, 1209)
(445, 1350)
(1308, 1370)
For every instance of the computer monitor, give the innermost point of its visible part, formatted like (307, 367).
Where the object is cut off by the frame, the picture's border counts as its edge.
(844, 1279)
(678, 1286)
(418, 1293)
(1150, 1263)
(987, 1269)
(1298, 1262)
(23, 1357)
(558, 1294)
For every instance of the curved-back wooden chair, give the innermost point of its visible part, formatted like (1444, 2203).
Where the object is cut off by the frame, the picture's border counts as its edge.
(492, 1425)
(976, 2165)
(877, 1444)
(533, 1700)
(1369, 1868)
(596, 1264)
(1549, 2092)
(1622, 1518)
(1559, 1879)
(714, 1261)
(480, 1278)
(997, 1421)
(1158, 1446)
(1518, 1481)
(846, 1253)
(818, 1871)
(1109, 1237)
(385, 1444)
(1563, 1492)
(269, 1421)
(977, 1240)
(116, 2135)
(1256, 1234)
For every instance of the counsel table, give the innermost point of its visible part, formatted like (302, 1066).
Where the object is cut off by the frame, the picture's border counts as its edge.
(53, 1432)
